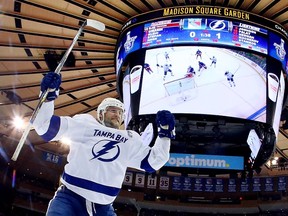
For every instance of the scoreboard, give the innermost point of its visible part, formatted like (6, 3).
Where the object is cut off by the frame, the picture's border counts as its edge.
(154, 50)
(205, 31)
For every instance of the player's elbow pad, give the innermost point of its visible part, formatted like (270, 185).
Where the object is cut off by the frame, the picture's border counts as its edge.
(145, 165)
(52, 129)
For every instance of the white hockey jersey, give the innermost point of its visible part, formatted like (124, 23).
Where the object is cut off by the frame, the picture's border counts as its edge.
(99, 155)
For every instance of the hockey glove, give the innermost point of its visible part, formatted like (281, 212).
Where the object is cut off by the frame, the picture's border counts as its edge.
(51, 81)
(166, 124)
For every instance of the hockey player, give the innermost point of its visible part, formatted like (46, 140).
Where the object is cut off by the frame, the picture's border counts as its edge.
(167, 68)
(99, 153)
(198, 54)
(190, 72)
(214, 60)
(230, 78)
(148, 68)
(167, 56)
(202, 66)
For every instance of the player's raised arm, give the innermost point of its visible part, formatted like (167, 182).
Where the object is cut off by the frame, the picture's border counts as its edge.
(166, 131)
(153, 158)
(166, 124)
(45, 117)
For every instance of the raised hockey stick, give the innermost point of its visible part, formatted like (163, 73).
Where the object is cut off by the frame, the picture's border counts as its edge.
(236, 69)
(89, 22)
(157, 62)
(207, 55)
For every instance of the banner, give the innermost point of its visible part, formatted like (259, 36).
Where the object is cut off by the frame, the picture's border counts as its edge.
(282, 183)
(244, 185)
(268, 186)
(198, 184)
(128, 178)
(164, 183)
(53, 158)
(256, 185)
(152, 181)
(232, 187)
(176, 183)
(139, 180)
(187, 184)
(209, 185)
(219, 185)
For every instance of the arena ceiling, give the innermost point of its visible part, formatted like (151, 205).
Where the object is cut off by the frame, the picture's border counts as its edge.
(29, 29)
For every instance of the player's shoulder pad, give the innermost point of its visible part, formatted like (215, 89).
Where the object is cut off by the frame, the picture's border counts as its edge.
(84, 117)
(133, 134)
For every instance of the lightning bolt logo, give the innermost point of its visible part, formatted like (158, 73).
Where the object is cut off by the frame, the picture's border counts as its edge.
(217, 25)
(109, 152)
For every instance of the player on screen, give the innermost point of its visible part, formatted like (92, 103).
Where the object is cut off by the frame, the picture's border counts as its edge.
(100, 152)
(190, 72)
(230, 78)
(198, 54)
(202, 66)
(167, 56)
(148, 68)
(167, 68)
(214, 60)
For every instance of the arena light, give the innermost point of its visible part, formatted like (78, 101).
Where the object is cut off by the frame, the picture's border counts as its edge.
(18, 122)
(274, 161)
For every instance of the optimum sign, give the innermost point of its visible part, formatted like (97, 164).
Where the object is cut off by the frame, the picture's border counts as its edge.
(206, 161)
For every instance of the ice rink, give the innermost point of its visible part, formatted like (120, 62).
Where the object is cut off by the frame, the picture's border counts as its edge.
(213, 93)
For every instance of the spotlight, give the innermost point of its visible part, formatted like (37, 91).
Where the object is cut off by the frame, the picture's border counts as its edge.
(18, 122)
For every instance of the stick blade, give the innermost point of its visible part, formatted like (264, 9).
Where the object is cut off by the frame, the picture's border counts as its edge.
(96, 24)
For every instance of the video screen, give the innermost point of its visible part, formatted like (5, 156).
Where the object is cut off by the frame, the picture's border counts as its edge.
(204, 80)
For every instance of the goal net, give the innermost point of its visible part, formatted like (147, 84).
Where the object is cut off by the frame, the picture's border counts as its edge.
(181, 90)
(179, 85)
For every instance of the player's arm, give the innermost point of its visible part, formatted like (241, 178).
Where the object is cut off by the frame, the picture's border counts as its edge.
(46, 124)
(153, 158)
(159, 154)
